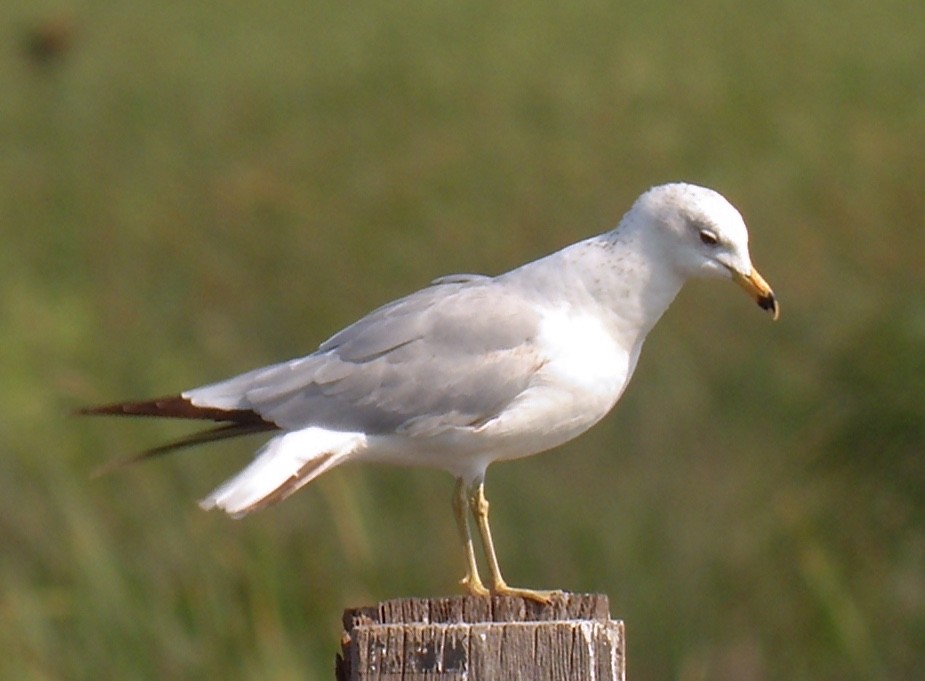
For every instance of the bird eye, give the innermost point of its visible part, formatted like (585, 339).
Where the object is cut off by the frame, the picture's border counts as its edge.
(708, 237)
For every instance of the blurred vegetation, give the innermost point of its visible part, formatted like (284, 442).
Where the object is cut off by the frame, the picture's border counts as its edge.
(189, 190)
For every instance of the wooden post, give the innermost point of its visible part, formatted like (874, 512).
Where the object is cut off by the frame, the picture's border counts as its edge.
(483, 639)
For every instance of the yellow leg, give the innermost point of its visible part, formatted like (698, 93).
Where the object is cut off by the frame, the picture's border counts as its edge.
(471, 581)
(479, 505)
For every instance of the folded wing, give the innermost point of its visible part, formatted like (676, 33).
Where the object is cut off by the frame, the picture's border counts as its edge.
(424, 359)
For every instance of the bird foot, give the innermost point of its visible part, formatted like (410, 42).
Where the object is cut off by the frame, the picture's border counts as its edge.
(542, 597)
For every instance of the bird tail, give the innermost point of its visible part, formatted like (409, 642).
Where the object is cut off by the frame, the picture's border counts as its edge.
(236, 422)
(286, 463)
(281, 467)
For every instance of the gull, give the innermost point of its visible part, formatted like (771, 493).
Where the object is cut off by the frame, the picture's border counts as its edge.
(472, 369)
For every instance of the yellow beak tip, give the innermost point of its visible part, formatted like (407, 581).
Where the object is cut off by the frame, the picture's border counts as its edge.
(755, 285)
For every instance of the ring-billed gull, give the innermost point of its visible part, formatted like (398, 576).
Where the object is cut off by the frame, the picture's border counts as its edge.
(472, 369)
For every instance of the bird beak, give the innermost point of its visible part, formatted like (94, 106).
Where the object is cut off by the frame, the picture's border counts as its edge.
(755, 285)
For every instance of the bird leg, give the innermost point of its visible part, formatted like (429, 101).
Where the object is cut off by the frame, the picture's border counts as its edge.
(471, 581)
(479, 505)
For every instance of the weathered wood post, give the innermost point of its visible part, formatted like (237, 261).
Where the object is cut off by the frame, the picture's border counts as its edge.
(483, 639)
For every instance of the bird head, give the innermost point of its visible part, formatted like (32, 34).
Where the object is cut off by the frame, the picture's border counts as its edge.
(704, 235)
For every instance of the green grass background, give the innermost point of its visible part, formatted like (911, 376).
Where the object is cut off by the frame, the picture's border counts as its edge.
(191, 189)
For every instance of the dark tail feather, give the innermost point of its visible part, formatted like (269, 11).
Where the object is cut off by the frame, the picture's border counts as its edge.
(202, 437)
(173, 407)
(237, 422)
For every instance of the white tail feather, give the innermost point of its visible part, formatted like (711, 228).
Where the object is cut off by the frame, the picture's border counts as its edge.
(282, 466)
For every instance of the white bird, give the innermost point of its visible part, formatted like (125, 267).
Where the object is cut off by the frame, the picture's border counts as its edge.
(472, 369)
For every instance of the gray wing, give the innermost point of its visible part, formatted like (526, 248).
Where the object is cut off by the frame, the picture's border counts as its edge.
(453, 354)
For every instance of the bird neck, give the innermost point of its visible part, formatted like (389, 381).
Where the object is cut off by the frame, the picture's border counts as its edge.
(630, 282)
(621, 276)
